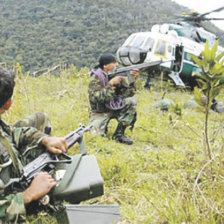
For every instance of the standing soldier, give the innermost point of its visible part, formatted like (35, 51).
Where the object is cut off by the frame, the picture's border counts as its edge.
(18, 146)
(112, 98)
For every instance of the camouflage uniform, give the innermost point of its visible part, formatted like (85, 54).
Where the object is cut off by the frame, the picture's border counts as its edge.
(108, 102)
(18, 144)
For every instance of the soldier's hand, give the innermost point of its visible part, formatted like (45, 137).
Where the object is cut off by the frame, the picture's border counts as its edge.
(135, 73)
(55, 144)
(39, 187)
(116, 80)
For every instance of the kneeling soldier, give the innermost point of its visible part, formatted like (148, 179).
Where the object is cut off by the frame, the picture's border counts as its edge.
(112, 98)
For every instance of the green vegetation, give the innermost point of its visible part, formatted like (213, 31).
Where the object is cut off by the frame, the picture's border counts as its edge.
(164, 177)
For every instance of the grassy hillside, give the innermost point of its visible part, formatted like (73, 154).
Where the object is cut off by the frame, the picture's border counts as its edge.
(164, 177)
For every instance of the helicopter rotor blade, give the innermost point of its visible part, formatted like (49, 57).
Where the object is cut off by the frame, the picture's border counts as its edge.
(216, 10)
(197, 17)
(220, 36)
(214, 18)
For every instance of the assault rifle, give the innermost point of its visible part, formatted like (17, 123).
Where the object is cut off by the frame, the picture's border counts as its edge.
(143, 66)
(47, 161)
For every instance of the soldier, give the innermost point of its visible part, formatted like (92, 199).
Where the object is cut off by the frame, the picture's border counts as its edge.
(18, 146)
(112, 98)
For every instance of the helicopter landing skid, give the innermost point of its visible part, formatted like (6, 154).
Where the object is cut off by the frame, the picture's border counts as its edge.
(176, 78)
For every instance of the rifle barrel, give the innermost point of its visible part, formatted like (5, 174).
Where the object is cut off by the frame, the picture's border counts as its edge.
(74, 136)
(138, 66)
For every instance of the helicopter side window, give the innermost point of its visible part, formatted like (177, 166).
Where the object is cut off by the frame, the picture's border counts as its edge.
(161, 48)
(148, 44)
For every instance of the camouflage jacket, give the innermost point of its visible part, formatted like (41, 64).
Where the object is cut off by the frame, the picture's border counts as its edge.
(103, 97)
(19, 140)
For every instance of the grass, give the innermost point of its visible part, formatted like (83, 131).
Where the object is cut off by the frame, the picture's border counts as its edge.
(164, 177)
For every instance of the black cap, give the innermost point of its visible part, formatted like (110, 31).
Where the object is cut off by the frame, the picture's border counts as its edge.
(106, 58)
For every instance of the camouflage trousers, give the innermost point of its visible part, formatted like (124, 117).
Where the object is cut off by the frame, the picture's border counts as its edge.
(125, 116)
(38, 120)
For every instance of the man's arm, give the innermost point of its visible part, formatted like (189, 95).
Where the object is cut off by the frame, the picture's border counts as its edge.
(98, 91)
(29, 136)
(127, 88)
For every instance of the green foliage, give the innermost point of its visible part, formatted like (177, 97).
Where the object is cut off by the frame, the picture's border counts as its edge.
(162, 177)
(200, 97)
(212, 74)
(210, 81)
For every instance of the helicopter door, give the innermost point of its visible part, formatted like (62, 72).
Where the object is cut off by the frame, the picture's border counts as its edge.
(177, 66)
(178, 62)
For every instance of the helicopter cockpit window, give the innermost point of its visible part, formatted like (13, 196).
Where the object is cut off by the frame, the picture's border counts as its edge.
(148, 45)
(161, 48)
(137, 41)
(129, 40)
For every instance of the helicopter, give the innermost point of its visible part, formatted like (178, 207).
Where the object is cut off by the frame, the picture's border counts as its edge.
(174, 42)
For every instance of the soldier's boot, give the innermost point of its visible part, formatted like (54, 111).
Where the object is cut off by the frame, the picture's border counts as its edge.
(119, 135)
